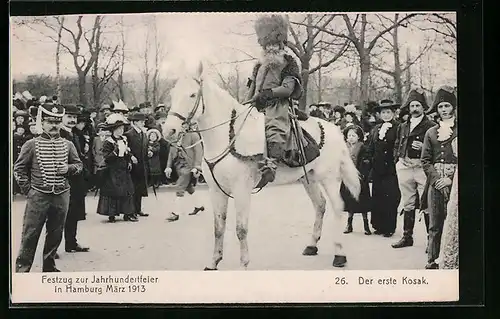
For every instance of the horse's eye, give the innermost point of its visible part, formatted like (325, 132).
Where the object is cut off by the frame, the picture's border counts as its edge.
(193, 95)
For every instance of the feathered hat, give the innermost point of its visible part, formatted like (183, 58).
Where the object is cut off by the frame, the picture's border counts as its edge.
(51, 111)
(120, 107)
(350, 108)
(114, 120)
(445, 94)
(271, 29)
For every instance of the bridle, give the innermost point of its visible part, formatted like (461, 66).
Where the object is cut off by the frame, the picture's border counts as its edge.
(187, 121)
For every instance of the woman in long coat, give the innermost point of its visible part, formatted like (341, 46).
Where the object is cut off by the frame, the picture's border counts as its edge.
(385, 189)
(354, 136)
(117, 189)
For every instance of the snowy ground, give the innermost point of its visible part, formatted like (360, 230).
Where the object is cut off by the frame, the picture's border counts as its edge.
(280, 226)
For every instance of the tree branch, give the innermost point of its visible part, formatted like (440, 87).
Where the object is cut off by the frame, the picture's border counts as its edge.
(381, 33)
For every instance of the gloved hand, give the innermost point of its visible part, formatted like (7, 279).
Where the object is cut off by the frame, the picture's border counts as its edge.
(168, 172)
(262, 98)
(196, 172)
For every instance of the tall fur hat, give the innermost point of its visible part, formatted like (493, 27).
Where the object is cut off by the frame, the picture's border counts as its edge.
(445, 94)
(271, 29)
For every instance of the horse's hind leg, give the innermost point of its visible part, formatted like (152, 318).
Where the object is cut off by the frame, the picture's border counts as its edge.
(332, 189)
(219, 204)
(319, 203)
(242, 196)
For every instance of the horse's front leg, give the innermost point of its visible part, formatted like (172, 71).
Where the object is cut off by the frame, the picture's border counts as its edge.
(219, 204)
(319, 203)
(242, 206)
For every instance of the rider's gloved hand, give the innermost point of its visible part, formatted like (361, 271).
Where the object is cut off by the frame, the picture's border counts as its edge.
(262, 98)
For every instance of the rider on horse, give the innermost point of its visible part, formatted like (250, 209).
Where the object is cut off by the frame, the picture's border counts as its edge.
(275, 81)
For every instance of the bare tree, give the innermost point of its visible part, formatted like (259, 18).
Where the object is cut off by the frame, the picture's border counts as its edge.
(58, 61)
(444, 26)
(306, 48)
(398, 69)
(120, 84)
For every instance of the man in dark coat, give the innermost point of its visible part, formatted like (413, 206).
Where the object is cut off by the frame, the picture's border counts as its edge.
(161, 117)
(42, 171)
(407, 152)
(138, 143)
(78, 192)
(385, 189)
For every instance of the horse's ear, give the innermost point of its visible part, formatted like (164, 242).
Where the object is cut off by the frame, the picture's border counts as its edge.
(199, 71)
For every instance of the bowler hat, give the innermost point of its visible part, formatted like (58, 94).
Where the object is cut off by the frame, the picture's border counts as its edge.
(136, 116)
(72, 109)
(386, 104)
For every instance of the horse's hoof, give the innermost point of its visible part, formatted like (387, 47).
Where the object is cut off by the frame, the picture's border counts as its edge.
(209, 269)
(310, 251)
(339, 261)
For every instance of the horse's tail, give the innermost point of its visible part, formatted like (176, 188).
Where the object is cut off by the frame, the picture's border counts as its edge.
(348, 172)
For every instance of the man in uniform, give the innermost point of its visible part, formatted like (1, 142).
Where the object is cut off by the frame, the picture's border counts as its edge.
(42, 172)
(275, 80)
(187, 160)
(407, 151)
(79, 187)
(439, 163)
(138, 143)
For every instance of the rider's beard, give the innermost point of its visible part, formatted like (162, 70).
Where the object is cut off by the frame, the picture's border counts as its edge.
(272, 54)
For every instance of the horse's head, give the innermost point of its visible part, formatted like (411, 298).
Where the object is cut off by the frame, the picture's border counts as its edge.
(186, 104)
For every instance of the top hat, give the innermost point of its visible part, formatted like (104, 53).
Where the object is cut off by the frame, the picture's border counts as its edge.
(386, 104)
(445, 94)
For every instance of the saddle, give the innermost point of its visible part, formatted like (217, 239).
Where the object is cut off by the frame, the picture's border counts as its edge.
(300, 140)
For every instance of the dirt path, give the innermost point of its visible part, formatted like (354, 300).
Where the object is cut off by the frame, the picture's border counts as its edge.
(279, 230)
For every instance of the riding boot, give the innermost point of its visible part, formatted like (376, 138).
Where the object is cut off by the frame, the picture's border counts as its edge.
(366, 225)
(268, 165)
(408, 224)
(348, 228)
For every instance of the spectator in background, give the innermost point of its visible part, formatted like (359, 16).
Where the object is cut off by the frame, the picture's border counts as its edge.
(97, 155)
(155, 172)
(354, 137)
(117, 188)
(385, 189)
(104, 112)
(338, 115)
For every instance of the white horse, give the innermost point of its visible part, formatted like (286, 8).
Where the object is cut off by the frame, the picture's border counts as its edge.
(200, 100)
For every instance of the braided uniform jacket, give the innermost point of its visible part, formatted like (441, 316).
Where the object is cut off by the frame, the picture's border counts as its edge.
(36, 166)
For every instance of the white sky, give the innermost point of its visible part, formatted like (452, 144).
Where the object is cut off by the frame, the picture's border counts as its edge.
(186, 36)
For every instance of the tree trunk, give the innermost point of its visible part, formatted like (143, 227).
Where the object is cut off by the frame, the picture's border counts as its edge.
(155, 76)
(121, 90)
(398, 83)
(408, 83)
(58, 62)
(320, 57)
(81, 88)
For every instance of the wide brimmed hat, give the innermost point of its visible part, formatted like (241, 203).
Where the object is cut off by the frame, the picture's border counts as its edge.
(416, 94)
(271, 29)
(386, 104)
(445, 94)
(115, 120)
(359, 131)
(350, 108)
(370, 106)
(136, 116)
(72, 110)
(120, 107)
(21, 113)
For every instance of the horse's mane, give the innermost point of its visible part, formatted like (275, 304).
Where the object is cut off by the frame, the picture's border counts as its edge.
(220, 95)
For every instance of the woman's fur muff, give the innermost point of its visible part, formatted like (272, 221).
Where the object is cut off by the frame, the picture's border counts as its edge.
(271, 30)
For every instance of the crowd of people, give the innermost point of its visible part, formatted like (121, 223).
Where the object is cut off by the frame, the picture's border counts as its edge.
(63, 152)
(409, 155)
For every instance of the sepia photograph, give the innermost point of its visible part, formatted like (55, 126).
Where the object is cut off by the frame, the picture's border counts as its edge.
(197, 142)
